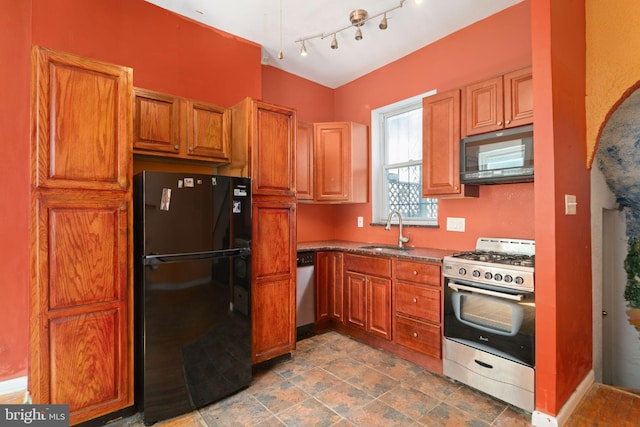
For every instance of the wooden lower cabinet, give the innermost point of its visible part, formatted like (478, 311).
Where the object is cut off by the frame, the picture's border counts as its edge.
(329, 288)
(367, 282)
(273, 264)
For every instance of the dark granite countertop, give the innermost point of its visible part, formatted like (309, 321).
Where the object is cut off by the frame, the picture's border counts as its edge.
(414, 253)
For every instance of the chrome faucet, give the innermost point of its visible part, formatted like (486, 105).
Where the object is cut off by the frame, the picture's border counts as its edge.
(401, 238)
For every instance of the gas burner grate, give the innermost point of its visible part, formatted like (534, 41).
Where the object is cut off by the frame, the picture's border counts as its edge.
(497, 257)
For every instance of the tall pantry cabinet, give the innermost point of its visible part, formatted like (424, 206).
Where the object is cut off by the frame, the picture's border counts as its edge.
(81, 292)
(263, 148)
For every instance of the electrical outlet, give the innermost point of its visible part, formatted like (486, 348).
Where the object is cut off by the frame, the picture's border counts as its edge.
(570, 204)
(455, 224)
(360, 222)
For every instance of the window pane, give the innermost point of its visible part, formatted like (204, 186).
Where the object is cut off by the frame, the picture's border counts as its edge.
(404, 192)
(404, 136)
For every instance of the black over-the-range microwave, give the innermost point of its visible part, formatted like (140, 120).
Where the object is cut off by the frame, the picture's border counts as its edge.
(497, 157)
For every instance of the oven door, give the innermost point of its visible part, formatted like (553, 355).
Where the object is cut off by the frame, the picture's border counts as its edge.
(497, 320)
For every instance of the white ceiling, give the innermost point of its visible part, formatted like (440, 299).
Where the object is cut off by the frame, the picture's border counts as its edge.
(410, 28)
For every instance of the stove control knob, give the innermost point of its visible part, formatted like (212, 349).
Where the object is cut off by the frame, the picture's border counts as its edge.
(519, 280)
(498, 277)
(508, 278)
(476, 273)
(488, 275)
(462, 271)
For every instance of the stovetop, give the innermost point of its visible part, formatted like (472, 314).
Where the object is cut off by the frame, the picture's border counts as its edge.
(507, 263)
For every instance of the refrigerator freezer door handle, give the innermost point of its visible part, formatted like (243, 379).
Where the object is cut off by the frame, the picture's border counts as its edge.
(194, 256)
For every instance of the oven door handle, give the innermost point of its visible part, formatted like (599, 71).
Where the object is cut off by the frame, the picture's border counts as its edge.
(458, 287)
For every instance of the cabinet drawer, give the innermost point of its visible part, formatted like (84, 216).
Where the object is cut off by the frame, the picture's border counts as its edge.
(417, 272)
(419, 336)
(418, 301)
(368, 265)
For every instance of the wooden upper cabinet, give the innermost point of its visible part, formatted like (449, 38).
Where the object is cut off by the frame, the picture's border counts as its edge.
(208, 131)
(304, 161)
(341, 162)
(82, 122)
(498, 103)
(441, 147)
(263, 147)
(172, 126)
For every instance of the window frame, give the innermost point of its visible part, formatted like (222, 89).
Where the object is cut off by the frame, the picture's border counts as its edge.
(379, 202)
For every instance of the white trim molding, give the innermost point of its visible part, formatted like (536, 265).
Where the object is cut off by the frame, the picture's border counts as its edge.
(540, 419)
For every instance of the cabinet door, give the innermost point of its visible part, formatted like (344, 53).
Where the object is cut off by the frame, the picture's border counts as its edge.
(81, 307)
(82, 122)
(156, 119)
(518, 98)
(208, 131)
(337, 291)
(483, 106)
(304, 161)
(379, 307)
(323, 284)
(273, 263)
(332, 160)
(273, 150)
(441, 144)
(355, 304)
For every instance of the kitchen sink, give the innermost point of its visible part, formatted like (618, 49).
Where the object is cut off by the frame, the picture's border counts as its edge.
(386, 248)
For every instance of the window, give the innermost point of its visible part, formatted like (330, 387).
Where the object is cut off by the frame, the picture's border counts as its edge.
(397, 164)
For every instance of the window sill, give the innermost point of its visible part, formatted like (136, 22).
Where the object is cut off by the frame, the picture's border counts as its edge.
(404, 225)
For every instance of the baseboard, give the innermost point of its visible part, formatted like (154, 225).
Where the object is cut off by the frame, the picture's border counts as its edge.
(14, 385)
(540, 419)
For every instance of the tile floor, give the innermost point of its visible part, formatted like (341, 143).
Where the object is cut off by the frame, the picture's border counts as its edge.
(333, 380)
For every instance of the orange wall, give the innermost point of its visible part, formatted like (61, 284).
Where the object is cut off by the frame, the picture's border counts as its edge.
(464, 57)
(15, 39)
(563, 243)
(168, 53)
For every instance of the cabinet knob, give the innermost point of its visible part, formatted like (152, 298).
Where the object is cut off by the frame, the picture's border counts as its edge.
(415, 335)
(499, 123)
(415, 300)
(415, 273)
(508, 121)
(190, 148)
(176, 147)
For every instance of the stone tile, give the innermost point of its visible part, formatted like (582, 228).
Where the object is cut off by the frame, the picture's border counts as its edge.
(264, 380)
(293, 367)
(434, 385)
(344, 398)
(315, 380)
(409, 401)
(272, 421)
(398, 368)
(370, 356)
(321, 355)
(373, 382)
(191, 419)
(379, 414)
(309, 412)
(281, 396)
(476, 403)
(345, 367)
(241, 409)
(445, 415)
(513, 417)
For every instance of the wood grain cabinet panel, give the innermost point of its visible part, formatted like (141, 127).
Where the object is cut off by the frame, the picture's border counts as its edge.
(497, 103)
(304, 161)
(173, 126)
(81, 349)
(355, 299)
(419, 336)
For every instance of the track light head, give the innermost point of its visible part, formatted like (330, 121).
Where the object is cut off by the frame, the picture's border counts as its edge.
(303, 49)
(334, 42)
(280, 55)
(383, 23)
(359, 34)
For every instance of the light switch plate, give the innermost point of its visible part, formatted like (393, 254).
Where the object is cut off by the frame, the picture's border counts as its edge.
(360, 222)
(455, 224)
(570, 204)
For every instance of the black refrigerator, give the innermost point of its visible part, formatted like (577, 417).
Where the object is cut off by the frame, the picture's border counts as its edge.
(192, 249)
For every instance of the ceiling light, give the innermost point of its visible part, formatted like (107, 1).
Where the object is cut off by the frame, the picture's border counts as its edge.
(383, 23)
(359, 34)
(334, 42)
(357, 18)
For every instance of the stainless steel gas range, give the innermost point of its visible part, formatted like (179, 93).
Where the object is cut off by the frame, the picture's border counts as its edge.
(489, 323)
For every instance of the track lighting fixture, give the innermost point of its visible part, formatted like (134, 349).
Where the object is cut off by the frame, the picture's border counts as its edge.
(357, 18)
(383, 23)
(334, 42)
